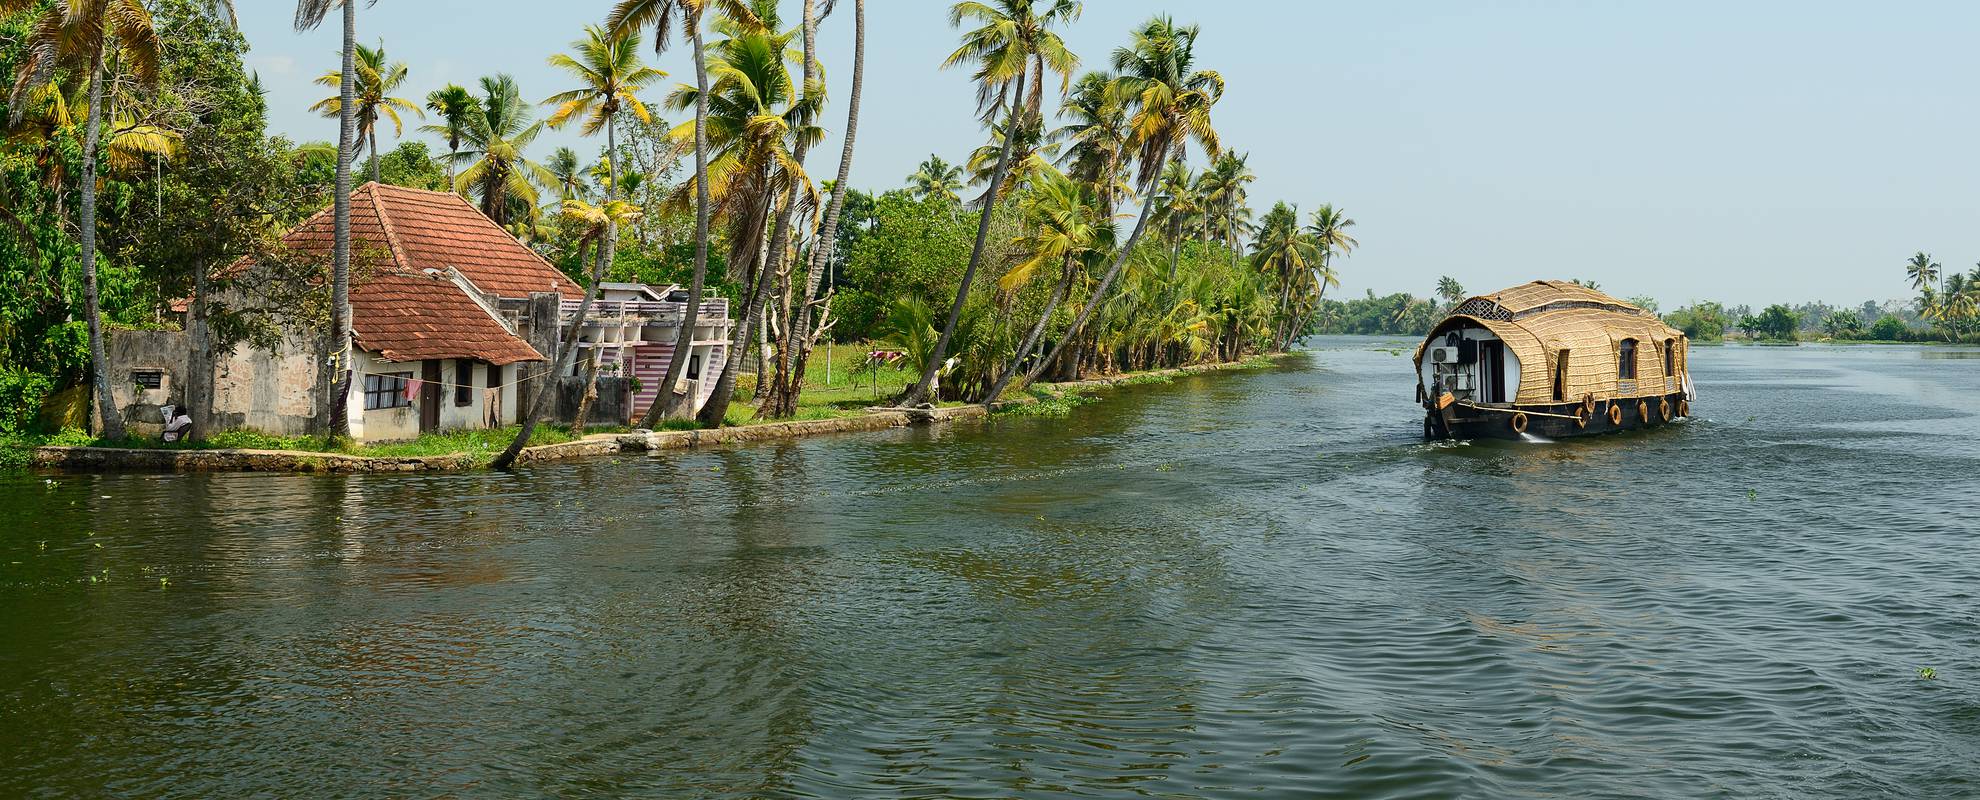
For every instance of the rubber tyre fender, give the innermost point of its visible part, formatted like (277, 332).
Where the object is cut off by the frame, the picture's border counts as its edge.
(1519, 422)
(1615, 414)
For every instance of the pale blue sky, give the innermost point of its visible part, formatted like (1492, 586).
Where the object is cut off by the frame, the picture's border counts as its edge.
(1748, 152)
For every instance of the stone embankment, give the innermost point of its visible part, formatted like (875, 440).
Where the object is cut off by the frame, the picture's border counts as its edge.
(100, 459)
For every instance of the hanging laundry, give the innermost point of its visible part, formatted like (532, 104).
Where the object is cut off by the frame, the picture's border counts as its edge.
(491, 408)
(412, 389)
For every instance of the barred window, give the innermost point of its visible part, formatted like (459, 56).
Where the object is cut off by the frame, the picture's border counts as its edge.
(386, 391)
(1626, 361)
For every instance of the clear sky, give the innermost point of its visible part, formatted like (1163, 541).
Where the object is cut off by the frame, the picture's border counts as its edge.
(1747, 152)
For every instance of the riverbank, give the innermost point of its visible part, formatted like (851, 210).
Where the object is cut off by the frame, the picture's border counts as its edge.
(420, 455)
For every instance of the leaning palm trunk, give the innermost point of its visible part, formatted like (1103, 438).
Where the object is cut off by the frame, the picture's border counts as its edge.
(1037, 330)
(801, 331)
(561, 362)
(338, 383)
(1106, 281)
(665, 401)
(763, 277)
(919, 393)
(99, 364)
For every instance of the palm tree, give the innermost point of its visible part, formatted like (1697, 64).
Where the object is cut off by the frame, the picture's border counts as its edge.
(609, 74)
(456, 109)
(337, 366)
(1922, 271)
(377, 79)
(569, 174)
(1098, 134)
(1449, 289)
(1178, 207)
(1329, 232)
(1224, 195)
(1168, 102)
(492, 147)
(807, 325)
(1013, 42)
(633, 16)
(1030, 156)
(1065, 223)
(81, 34)
(756, 115)
(1285, 252)
(936, 178)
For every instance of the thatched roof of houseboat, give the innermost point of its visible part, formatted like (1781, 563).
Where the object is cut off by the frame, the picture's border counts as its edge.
(1542, 319)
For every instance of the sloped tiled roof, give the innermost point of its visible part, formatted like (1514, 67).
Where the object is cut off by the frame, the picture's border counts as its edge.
(404, 305)
(414, 317)
(420, 230)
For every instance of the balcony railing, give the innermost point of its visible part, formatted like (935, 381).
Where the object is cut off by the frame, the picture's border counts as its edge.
(644, 311)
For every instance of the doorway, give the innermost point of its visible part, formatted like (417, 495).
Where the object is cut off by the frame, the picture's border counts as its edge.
(429, 396)
(1492, 371)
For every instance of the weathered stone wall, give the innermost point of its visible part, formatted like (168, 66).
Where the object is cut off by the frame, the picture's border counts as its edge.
(613, 406)
(130, 351)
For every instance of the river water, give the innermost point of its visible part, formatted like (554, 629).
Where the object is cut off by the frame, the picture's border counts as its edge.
(1237, 585)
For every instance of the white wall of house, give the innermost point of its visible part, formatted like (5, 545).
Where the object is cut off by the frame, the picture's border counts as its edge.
(402, 420)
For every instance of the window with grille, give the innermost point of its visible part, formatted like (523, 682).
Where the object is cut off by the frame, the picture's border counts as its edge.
(386, 391)
(148, 378)
(463, 382)
(1626, 361)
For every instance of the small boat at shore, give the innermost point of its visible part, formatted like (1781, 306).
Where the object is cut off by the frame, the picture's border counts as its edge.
(1552, 359)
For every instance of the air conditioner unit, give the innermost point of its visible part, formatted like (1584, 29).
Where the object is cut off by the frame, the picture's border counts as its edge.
(1443, 355)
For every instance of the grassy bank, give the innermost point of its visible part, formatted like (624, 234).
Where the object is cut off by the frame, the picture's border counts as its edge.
(481, 446)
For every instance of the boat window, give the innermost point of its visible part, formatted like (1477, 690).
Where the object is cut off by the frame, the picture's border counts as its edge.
(1626, 361)
(1670, 357)
(1560, 377)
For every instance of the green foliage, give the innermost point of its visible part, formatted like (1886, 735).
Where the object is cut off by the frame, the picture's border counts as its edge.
(1048, 405)
(1395, 314)
(1842, 325)
(1777, 323)
(912, 248)
(1889, 328)
(1702, 322)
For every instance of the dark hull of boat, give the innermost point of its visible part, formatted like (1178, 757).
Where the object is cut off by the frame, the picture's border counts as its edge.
(1458, 422)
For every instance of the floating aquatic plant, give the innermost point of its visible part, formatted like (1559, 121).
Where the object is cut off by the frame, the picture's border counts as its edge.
(1927, 673)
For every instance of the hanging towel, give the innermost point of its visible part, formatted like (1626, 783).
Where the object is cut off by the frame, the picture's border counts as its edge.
(412, 389)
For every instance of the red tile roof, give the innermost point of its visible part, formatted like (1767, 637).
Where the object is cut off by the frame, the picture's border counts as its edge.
(420, 230)
(413, 317)
(404, 305)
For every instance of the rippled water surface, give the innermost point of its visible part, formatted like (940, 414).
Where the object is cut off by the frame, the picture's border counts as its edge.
(1240, 585)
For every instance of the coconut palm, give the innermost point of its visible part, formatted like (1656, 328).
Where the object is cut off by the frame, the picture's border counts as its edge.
(377, 78)
(810, 321)
(936, 178)
(337, 383)
(1030, 156)
(1225, 196)
(1922, 271)
(1097, 136)
(1012, 43)
(569, 175)
(492, 148)
(1450, 290)
(1168, 100)
(455, 107)
(756, 116)
(1065, 223)
(609, 75)
(634, 16)
(80, 35)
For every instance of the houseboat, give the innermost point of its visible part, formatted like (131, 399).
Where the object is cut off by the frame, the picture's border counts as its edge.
(1550, 359)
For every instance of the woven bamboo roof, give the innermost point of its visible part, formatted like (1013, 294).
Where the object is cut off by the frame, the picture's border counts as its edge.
(1541, 320)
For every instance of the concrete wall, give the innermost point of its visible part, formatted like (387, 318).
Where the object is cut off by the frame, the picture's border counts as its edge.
(392, 424)
(613, 406)
(273, 392)
(131, 351)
